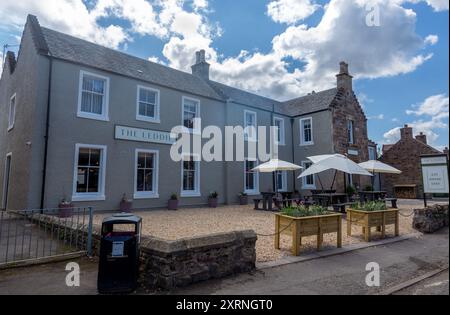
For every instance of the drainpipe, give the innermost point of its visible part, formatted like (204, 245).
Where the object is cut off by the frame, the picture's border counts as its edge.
(47, 128)
(293, 152)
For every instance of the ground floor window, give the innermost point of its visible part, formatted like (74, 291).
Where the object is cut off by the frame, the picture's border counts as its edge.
(251, 177)
(309, 182)
(281, 181)
(89, 173)
(190, 177)
(146, 174)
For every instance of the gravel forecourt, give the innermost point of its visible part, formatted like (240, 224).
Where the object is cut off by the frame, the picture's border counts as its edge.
(184, 223)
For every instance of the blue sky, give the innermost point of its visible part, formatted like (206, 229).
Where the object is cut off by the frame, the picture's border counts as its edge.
(281, 48)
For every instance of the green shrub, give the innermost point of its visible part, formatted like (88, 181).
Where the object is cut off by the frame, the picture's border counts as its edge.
(370, 206)
(368, 188)
(302, 211)
(351, 190)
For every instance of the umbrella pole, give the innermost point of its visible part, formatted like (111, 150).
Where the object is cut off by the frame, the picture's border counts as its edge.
(334, 179)
(318, 176)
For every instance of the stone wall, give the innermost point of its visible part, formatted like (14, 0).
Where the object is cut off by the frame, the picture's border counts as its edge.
(346, 107)
(431, 219)
(405, 156)
(170, 264)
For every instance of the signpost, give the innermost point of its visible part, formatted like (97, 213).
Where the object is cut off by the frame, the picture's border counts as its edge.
(434, 174)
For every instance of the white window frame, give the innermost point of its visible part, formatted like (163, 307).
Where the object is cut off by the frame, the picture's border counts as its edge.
(246, 136)
(198, 114)
(374, 152)
(98, 196)
(12, 112)
(196, 192)
(283, 181)
(6, 180)
(351, 132)
(302, 132)
(254, 191)
(305, 186)
(147, 194)
(139, 117)
(282, 130)
(105, 106)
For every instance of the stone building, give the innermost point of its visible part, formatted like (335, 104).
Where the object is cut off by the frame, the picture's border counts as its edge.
(86, 124)
(405, 156)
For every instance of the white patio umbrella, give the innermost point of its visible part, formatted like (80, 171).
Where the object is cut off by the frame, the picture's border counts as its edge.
(276, 165)
(379, 167)
(335, 162)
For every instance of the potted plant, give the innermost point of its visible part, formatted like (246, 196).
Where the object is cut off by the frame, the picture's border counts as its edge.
(213, 200)
(299, 222)
(65, 208)
(126, 204)
(372, 214)
(243, 199)
(173, 202)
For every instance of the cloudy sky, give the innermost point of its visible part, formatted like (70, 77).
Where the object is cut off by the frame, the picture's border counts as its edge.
(397, 49)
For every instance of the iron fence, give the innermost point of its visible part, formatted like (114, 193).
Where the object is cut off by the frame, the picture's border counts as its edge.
(28, 235)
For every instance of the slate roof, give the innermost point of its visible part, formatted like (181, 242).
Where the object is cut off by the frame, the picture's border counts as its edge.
(309, 103)
(79, 51)
(244, 97)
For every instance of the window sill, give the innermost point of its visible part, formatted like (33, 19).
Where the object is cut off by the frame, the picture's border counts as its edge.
(88, 198)
(145, 196)
(92, 116)
(148, 119)
(252, 193)
(190, 194)
(306, 144)
(309, 187)
(10, 128)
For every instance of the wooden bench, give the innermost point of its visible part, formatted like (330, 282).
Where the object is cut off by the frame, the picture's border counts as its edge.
(257, 201)
(393, 202)
(340, 207)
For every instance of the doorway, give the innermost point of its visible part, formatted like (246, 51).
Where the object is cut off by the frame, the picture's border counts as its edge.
(6, 181)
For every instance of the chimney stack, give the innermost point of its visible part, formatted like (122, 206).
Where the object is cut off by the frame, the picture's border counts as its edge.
(422, 138)
(344, 79)
(201, 67)
(406, 133)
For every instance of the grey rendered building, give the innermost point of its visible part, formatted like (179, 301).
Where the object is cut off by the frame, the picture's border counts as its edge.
(89, 124)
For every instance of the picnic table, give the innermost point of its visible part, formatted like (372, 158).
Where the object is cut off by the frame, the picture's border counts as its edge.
(330, 199)
(371, 195)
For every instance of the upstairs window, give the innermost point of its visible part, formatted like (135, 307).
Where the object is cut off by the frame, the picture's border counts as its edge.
(351, 132)
(93, 97)
(148, 104)
(279, 123)
(306, 131)
(250, 126)
(191, 110)
(12, 112)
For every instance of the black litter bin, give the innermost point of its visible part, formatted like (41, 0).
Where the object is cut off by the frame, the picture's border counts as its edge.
(119, 254)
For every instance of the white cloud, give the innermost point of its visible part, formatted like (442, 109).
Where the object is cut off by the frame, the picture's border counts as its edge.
(291, 11)
(391, 49)
(436, 106)
(433, 113)
(432, 39)
(376, 117)
(68, 16)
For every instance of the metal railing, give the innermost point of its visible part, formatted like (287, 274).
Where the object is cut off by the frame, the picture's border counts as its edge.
(27, 235)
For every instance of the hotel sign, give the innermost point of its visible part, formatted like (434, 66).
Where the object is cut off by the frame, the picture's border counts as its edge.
(435, 174)
(144, 135)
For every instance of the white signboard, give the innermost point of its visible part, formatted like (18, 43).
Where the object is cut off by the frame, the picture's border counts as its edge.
(118, 249)
(144, 135)
(435, 175)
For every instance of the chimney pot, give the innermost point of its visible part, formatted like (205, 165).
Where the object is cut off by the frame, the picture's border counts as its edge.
(422, 138)
(344, 79)
(201, 67)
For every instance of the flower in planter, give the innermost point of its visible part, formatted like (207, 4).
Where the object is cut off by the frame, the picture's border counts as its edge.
(243, 194)
(213, 195)
(174, 196)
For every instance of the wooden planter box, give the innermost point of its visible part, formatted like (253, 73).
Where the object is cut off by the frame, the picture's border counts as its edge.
(370, 219)
(307, 226)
